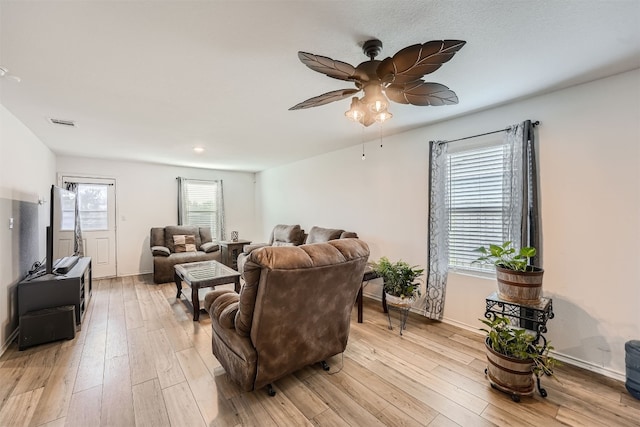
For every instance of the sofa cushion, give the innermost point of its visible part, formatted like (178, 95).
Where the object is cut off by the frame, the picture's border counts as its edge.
(184, 243)
(205, 235)
(172, 230)
(287, 233)
(157, 237)
(322, 235)
(160, 251)
(349, 235)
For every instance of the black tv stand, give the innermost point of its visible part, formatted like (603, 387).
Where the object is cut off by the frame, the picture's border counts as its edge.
(52, 290)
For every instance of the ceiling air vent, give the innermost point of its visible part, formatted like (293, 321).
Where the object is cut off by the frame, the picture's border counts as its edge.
(62, 122)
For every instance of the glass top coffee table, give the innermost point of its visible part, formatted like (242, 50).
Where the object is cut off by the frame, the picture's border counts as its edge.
(205, 274)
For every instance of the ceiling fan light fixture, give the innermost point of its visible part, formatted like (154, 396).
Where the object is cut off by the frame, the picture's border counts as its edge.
(355, 113)
(374, 99)
(383, 116)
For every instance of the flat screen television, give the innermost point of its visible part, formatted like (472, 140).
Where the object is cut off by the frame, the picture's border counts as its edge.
(62, 224)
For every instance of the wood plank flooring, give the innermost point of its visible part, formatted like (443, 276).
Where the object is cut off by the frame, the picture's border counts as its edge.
(141, 360)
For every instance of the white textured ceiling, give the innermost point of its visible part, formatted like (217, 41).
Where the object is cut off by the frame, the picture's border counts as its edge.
(148, 81)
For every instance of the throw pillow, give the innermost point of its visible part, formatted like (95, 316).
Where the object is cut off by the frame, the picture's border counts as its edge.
(184, 243)
(160, 251)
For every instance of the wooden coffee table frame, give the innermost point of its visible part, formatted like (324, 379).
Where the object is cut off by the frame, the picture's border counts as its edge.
(182, 273)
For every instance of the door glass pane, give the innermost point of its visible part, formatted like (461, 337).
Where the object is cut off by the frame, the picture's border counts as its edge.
(93, 207)
(68, 203)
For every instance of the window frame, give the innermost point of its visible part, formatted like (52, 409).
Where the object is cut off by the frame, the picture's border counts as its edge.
(215, 224)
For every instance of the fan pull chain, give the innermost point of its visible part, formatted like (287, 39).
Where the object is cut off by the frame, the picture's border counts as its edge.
(380, 129)
(362, 139)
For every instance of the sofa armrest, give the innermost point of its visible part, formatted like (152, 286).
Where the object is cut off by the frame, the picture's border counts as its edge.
(209, 247)
(222, 306)
(247, 249)
(160, 251)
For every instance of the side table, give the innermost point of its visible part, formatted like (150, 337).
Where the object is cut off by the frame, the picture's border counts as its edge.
(230, 249)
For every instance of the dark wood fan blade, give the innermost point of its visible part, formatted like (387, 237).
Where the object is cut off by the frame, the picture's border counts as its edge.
(325, 98)
(421, 93)
(413, 62)
(332, 68)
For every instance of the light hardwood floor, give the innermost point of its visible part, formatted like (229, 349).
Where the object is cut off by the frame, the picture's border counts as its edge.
(140, 360)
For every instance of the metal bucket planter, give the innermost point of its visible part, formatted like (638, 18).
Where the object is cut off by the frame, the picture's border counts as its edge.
(512, 376)
(522, 287)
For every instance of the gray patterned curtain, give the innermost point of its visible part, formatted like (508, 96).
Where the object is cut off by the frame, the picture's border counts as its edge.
(222, 233)
(78, 246)
(521, 205)
(181, 201)
(438, 247)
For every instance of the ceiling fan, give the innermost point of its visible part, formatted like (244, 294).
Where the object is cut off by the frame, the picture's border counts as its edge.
(397, 78)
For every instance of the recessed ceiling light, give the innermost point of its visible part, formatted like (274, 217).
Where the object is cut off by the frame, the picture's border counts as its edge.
(198, 149)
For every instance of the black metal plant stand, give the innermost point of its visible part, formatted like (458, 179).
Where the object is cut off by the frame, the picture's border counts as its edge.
(531, 317)
(403, 311)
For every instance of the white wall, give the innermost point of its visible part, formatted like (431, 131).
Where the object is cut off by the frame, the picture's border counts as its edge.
(27, 170)
(146, 196)
(590, 187)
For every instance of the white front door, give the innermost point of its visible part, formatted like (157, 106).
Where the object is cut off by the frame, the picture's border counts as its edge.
(97, 213)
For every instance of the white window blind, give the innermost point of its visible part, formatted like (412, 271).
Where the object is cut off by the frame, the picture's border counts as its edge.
(201, 204)
(475, 180)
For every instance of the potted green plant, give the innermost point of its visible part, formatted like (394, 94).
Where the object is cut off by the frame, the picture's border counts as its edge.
(514, 356)
(518, 281)
(401, 281)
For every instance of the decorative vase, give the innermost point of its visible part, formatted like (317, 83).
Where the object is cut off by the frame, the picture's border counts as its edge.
(234, 236)
(510, 375)
(521, 287)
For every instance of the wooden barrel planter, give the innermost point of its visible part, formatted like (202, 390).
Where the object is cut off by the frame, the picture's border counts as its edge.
(509, 375)
(522, 287)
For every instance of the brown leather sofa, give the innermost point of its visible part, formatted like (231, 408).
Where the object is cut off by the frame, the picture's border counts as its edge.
(294, 310)
(164, 252)
(293, 235)
(281, 235)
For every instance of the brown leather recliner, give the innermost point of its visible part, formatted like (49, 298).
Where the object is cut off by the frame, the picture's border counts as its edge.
(294, 310)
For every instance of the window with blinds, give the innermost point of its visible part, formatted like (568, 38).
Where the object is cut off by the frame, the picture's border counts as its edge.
(475, 190)
(200, 206)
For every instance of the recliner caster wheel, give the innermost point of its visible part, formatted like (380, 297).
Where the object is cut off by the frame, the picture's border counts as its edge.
(325, 365)
(270, 391)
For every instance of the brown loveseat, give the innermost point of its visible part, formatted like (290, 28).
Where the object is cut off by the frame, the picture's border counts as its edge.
(165, 255)
(294, 310)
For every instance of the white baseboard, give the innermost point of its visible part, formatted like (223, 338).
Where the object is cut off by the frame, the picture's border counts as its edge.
(570, 360)
(6, 344)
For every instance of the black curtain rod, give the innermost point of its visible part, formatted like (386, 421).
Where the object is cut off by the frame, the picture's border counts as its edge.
(79, 182)
(536, 123)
